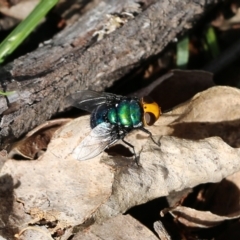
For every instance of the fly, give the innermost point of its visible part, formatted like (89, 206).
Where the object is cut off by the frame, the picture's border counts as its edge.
(112, 118)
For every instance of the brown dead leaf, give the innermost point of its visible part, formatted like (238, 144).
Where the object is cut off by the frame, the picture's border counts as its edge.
(115, 228)
(233, 190)
(33, 233)
(8, 3)
(36, 141)
(176, 87)
(226, 24)
(182, 163)
(20, 10)
(161, 231)
(213, 205)
(81, 190)
(214, 112)
(48, 217)
(214, 198)
(195, 218)
(3, 158)
(57, 183)
(4, 3)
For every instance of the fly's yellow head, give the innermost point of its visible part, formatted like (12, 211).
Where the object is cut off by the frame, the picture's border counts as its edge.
(151, 111)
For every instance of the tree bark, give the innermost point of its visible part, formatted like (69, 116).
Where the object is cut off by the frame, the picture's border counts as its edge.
(75, 60)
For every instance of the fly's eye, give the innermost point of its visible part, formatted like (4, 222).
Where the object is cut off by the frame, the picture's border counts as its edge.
(151, 111)
(149, 118)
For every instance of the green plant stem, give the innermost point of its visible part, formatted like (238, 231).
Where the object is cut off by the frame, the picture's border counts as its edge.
(183, 52)
(17, 36)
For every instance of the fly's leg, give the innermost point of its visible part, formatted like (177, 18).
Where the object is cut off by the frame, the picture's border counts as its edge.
(131, 146)
(150, 134)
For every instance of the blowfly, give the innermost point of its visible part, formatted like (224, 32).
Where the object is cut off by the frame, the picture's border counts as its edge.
(112, 118)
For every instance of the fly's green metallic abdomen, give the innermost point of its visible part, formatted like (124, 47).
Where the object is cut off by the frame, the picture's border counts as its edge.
(127, 113)
(112, 116)
(135, 112)
(123, 112)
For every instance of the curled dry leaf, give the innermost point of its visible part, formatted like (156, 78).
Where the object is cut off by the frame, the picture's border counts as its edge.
(79, 190)
(176, 165)
(222, 203)
(221, 200)
(119, 227)
(37, 140)
(195, 218)
(161, 231)
(176, 87)
(226, 24)
(214, 112)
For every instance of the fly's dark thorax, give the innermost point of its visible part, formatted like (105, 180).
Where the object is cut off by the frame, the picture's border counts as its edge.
(126, 113)
(99, 115)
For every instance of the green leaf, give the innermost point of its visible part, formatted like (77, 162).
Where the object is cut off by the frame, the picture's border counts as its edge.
(212, 42)
(19, 34)
(6, 93)
(183, 53)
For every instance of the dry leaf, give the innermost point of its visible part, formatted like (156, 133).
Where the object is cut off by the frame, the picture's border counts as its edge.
(36, 141)
(218, 201)
(120, 227)
(109, 185)
(20, 10)
(214, 197)
(8, 3)
(161, 231)
(195, 218)
(3, 158)
(176, 87)
(227, 24)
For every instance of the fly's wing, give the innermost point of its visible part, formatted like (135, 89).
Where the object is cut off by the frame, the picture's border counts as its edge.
(87, 100)
(99, 138)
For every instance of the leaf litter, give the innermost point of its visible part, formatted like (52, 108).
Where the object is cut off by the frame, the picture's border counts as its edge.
(198, 146)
